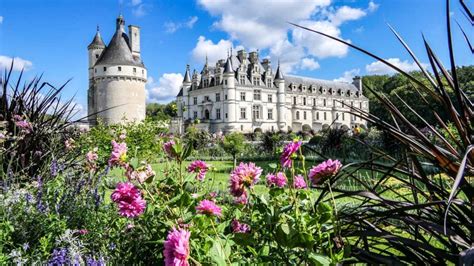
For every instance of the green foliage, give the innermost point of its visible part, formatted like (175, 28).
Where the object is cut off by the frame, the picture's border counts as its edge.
(161, 112)
(234, 144)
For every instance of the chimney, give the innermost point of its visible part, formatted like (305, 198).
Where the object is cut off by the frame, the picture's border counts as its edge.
(134, 39)
(357, 81)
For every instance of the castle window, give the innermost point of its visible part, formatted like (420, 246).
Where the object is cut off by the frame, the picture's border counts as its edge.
(270, 114)
(294, 100)
(225, 97)
(242, 113)
(333, 102)
(256, 95)
(226, 116)
(218, 97)
(242, 79)
(119, 68)
(195, 114)
(256, 81)
(342, 116)
(297, 115)
(304, 101)
(95, 70)
(352, 103)
(324, 103)
(195, 100)
(218, 113)
(96, 56)
(304, 115)
(225, 82)
(269, 83)
(270, 98)
(317, 115)
(256, 112)
(242, 96)
(360, 105)
(314, 101)
(206, 98)
(134, 70)
(324, 115)
(105, 69)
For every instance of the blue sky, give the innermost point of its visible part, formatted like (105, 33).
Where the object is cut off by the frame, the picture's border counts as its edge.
(51, 37)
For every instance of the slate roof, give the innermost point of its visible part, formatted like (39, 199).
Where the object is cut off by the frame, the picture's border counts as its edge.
(118, 52)
(289, 79)
(97, 42)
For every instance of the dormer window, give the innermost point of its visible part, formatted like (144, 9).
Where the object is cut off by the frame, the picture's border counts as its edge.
(269, 83)
(96, 56)
(242, 79)
(134, 70)
(119, 68)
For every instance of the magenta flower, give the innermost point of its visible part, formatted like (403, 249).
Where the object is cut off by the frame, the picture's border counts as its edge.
(299, 182)
(118, 154)
(208, 207)
(323, 170)
(177, 247)
(168, 148)
(129, 200)
(200, 168)
(83, 231)
(238, 227)
(242, 199)
(245, 175)
(278, 180)
(22, 124)
(289, 152)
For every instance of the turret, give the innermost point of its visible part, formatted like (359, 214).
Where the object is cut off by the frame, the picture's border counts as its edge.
(280, 84)
(95, 49)
(229, 89)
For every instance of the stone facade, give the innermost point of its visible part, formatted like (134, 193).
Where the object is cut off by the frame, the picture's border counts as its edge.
(117, 77)
(243, 94)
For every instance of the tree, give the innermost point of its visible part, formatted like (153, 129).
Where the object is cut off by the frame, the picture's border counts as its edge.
(234, 144)
(160, 112)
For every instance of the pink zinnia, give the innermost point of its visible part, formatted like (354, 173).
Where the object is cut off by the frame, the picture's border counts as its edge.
(238, 227)
(244, 175)
(129, 200)
(299, 182)
(177, 247)
(168, 148)
(200, 168)
(278, 180)
(288, 152)
(92, 156)
(325, 169)
(118, 154)
(208, 207)
(242, 199)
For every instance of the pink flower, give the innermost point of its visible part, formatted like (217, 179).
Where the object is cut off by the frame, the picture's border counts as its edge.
(69, 144)
(289, 152)
(245, 175)
(238, 227)
(243, 199)
(123, 135)
(118, 154)
(177, 247)
(200, 168)
(92, 156)
(323, 170)
(213, 194)
(129, 200)
(83, 232)
(298, 182)
(168, 148)
(22, 124)
(208, 207)
(278, 180)
(141, 174)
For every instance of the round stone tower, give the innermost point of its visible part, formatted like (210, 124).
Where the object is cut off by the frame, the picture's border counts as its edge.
(117, 77)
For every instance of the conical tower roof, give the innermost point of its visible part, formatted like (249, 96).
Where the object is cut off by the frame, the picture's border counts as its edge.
(187, 77)
(279, 74)
(97, 42)
(228, 66)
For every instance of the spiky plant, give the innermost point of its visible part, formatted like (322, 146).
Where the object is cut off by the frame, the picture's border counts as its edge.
(399, 213)
(34, 121)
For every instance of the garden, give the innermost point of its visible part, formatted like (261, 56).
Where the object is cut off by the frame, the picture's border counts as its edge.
(397, 192)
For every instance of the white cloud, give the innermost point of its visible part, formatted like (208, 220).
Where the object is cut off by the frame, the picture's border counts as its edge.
(379, 68)
(346, 13)
(213, 51)
(309, 63)
(174, 26)
(262, 24)
(372, 6)
(1, 19)
(136, 2)
(165, 89)
(348, 75)
(19, 63)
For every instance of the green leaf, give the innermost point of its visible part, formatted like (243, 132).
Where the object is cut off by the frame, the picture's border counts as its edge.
(319, 259)
(217, 253)
(273, 165)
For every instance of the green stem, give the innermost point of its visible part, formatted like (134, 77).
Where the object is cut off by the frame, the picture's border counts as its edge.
(219, 240)
(194, 261)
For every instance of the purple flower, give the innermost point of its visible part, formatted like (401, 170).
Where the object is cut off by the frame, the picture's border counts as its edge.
(200, 168)
(118, 154)
(59, 257)
(299, 182)
(244, 175)
(278, 180)
(168, 148)
(177, 247)
(238, 227)
(22, 124)
(208, 207)
(129, 199)
(289, 152)
(323, 170)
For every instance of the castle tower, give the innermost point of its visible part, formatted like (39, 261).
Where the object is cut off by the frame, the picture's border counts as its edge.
(183, 95)
(228, 79)
(280, 84)
(117, 77)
